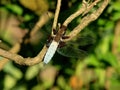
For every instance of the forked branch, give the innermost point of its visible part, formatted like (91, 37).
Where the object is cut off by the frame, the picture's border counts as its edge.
(87, 19)
(85, 8)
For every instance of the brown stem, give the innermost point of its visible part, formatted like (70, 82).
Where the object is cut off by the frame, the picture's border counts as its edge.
(87, 19)
(23, 61)
(84, 22)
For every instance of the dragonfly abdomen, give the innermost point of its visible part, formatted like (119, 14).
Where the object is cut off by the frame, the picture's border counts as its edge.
(51, 51)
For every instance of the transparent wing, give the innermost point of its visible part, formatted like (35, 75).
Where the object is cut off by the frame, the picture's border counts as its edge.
(83, 41)
(72, 48)
(70, 51)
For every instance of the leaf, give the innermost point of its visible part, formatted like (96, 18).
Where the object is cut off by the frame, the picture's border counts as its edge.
(9, 82)
(92, 61)
(109, 25)
(31, 72)
(116, 16)
(39, 6)
(61, 82)
(15, 8)
(12, 70)
(111, 59)
(101, 76)
(101, 21)
(103, 46)
(116, 6)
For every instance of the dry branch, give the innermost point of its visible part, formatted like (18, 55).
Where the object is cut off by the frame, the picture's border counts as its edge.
(14, 49)
(23, 61)
(86, 7)
(56, 15)
(41, 22)
(76, 14)
(87, 19)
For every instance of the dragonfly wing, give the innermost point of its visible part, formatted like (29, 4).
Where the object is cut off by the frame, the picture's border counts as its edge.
(70, 51)
(83, 41)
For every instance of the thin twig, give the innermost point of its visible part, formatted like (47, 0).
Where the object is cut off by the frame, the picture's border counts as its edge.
(41, 22)
(56, 15)
(76, 14)
(89, 7)
(87, 19)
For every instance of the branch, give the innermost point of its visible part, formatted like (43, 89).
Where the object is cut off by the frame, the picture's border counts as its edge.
(76, 14)
(41, 22)
(14, 49)
(87, 19)
(89, 7)
(23, 61)
(17, 46)
(84, 22)
(56, 15)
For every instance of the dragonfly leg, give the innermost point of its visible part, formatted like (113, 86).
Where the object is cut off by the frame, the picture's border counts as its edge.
(62, 44)
(65, 37)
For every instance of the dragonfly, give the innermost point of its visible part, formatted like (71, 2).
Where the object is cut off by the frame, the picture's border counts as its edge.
(56, 43)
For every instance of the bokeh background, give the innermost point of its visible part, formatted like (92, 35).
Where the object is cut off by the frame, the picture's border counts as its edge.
(99, 70)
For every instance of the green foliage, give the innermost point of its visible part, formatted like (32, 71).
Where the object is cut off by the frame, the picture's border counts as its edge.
(15, 8)
(90, 71)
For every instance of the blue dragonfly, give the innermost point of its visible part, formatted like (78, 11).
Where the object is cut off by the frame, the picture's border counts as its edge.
(56, 43)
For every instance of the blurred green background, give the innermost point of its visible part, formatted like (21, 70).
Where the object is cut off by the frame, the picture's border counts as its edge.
(100, 70)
